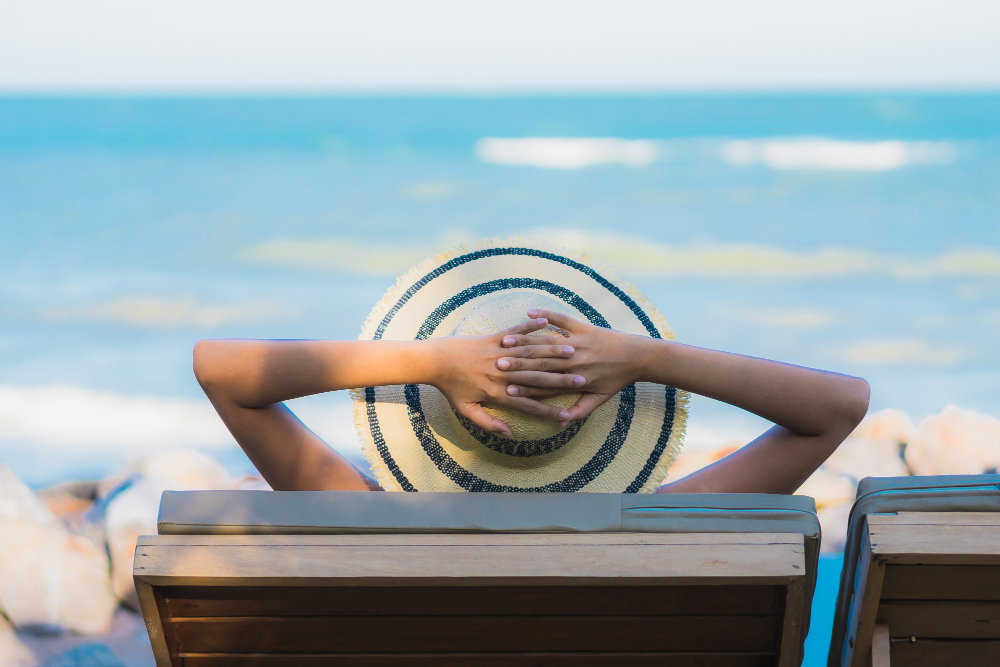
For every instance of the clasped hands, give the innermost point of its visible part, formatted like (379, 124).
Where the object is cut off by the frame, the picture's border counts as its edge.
(516, 369)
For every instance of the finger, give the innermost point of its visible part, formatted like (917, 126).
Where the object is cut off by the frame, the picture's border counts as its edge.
(527, 391)
(546, 380)
(533, 324)
(475, 413)
(558, 319)
(533, 392)
(524, 340)
(559, 364)
(538, 409)
(583, 407)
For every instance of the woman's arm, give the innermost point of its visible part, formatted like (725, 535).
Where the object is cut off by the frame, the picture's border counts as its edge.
(247, 380)
(813, 411)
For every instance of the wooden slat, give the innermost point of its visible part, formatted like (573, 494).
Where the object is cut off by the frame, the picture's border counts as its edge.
(946, 654)
(472, 539)
(503, 600)
(958, 620)
(867, 591)
(678, 564)
(880, 646)
(932, 542)
(791, 624)
(479, 634)
(158, 626)
(941, 582)
(939, 518)
(574, 659)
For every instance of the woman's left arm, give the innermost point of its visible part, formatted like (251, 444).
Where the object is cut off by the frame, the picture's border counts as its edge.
(813, 410)
(248, 380)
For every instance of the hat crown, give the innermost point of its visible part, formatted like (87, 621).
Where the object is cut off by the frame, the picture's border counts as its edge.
(502, 312)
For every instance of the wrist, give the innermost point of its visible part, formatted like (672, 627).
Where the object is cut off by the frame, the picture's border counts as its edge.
(650, 357)
(426, 361)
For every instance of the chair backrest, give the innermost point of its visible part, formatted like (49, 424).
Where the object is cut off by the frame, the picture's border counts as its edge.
(387, 578)
(922, 564)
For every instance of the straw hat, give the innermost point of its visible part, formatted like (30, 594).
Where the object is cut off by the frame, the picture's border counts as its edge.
(415, 441)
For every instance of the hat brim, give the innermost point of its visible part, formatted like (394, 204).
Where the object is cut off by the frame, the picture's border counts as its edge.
(415, 442)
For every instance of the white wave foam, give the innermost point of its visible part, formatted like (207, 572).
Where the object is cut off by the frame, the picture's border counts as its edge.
(565, 153)
(835, 155)
(62, 418)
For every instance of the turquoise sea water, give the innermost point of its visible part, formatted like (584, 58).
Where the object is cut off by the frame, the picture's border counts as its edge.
(131, 227)
(823, 606)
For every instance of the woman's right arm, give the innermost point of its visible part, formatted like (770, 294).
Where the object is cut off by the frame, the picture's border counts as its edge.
(248, 380)
(812, 410)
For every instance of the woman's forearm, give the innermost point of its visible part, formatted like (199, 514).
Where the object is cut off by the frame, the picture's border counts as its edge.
(258, 373)
(803, 400)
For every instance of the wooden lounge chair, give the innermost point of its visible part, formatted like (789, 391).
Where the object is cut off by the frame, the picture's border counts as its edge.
(365, 579)
(921, 578)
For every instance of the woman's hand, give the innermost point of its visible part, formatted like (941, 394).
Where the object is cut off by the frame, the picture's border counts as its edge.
(467, 370)
(604, 361)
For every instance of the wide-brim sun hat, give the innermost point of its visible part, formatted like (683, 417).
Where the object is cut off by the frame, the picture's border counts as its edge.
(415, 441)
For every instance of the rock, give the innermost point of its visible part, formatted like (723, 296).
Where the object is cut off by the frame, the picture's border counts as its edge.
(85, 655)
(48, 576)
(132, 507)
(127, 640)
(875, 448)
(829, 488)
(81, 490)
(181, 468)
(955, 442)
(886, 426)
(13, 653)
(833, 520)
(252, 483)
(66, 506)
(695, 459)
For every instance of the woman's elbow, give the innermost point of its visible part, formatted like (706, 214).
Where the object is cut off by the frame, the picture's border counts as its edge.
(857, 396)
(207, 364)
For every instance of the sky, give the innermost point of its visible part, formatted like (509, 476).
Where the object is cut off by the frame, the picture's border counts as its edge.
(516, 45)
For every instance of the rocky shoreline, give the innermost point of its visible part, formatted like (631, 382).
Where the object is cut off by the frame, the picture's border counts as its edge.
(66, 554)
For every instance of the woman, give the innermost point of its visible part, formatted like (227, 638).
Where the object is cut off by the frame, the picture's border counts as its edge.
(813, 411)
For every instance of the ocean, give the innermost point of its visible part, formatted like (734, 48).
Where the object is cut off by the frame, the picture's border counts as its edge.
(857, 233)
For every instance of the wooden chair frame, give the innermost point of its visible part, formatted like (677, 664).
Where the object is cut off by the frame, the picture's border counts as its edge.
(927, 591)
(604, 598)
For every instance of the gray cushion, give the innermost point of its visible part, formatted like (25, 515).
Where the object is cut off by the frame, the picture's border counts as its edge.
(325, 512)
(300, 512)
(881, 495)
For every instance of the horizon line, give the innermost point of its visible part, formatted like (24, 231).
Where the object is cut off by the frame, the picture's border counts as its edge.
(993, 89)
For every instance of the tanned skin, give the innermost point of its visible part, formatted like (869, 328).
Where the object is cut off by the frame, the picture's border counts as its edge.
(813, 411)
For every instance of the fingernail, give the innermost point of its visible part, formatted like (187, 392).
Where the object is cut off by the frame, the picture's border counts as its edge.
(509, 340)
(532, 313)
(512, 390)
(579, 380)
(563, 415)
(542, 321)
(503, 364)
(568, 350)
